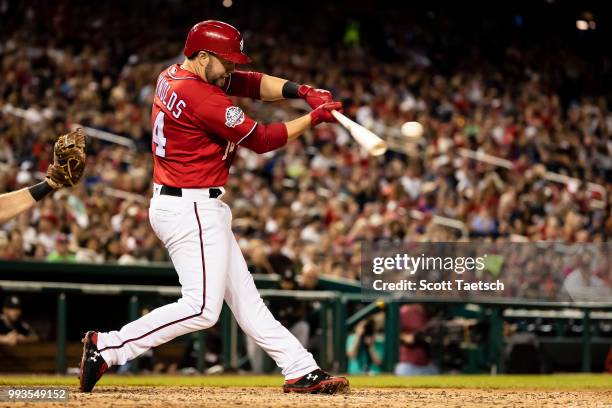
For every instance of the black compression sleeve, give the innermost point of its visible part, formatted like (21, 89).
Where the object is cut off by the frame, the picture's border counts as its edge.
(40, 190)
(290, 90)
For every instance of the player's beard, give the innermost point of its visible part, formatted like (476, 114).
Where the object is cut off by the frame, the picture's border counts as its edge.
(220, 82)
(210, 77)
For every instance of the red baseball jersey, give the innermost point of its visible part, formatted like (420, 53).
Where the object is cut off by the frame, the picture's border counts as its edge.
(197, 128)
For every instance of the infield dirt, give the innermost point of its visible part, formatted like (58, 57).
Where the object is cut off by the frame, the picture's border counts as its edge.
(154, 397)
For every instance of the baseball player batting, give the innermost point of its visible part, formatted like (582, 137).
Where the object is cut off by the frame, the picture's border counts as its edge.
(196, 132)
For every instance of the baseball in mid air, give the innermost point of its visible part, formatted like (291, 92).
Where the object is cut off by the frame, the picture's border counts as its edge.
(412, 130)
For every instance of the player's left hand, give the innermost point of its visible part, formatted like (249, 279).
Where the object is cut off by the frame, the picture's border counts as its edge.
(314, 97)
(68, 160)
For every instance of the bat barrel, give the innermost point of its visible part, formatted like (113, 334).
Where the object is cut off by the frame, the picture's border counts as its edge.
(373, 144)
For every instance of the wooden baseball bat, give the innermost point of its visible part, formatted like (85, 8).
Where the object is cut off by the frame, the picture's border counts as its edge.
(373, 144)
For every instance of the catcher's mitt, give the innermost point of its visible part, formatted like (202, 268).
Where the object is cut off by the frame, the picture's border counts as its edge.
(68, 160)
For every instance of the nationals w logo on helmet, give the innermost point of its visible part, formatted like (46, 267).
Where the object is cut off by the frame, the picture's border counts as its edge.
(234, 116)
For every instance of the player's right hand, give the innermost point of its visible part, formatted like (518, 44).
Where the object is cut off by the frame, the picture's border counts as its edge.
(314, 97)
(323, 113)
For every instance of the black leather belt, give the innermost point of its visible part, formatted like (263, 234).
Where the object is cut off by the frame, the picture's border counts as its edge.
(177, 192)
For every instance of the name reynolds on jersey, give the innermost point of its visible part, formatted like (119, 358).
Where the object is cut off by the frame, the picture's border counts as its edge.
(169, 99)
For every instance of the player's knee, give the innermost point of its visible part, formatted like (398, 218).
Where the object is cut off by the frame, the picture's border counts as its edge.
(192, 303)
(207, 316)
(212, 312)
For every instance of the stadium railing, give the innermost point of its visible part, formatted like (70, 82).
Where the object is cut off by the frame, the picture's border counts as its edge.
(336, 296)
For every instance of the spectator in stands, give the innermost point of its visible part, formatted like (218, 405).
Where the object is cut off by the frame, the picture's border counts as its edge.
(278, 261)
(414, 356)
(13, 330)
(47, 231)
(309, 278)
(90, 252)
(582, 284)
(62, 252)
(258, 259)
(365, 347)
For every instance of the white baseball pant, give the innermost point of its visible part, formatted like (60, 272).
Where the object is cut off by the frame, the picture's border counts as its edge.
(196, 230)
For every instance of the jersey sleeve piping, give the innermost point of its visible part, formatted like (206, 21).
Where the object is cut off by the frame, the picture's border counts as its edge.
(229, 81)
(248, 134)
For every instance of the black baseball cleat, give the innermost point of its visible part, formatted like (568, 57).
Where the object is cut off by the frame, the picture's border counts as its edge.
(92, 363)
(317, 382)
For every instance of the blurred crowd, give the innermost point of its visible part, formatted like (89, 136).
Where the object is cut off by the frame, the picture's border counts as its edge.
(549, 271)
(309, 205)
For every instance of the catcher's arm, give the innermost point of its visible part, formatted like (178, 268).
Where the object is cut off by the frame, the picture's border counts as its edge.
(15, 202)
(66, 170)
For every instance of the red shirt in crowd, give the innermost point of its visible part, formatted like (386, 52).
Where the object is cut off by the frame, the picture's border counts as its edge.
(413, 318)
